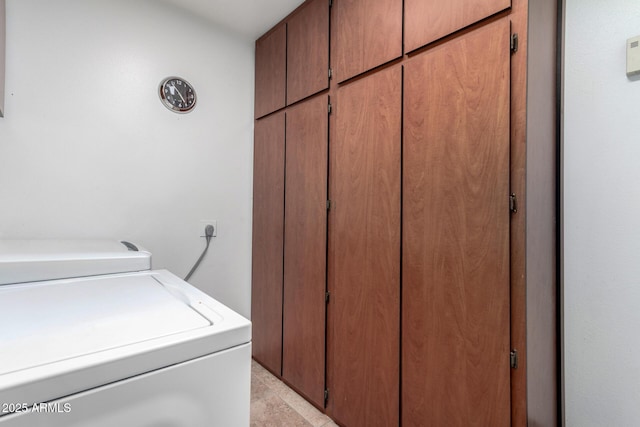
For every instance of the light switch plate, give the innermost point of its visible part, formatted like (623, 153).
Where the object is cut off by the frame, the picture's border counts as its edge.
(633, 56)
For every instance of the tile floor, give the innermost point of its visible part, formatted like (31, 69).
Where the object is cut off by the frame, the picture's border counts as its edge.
(274, 404)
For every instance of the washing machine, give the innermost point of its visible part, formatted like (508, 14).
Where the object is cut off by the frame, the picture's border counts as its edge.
(91, 336)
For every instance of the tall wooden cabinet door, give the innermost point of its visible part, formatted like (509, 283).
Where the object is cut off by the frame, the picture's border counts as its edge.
(308, 51)
(455, 292)
(367, 34)
(271, 72)
(268, 232)
(428, 20)
(364, 252)
(305, 247)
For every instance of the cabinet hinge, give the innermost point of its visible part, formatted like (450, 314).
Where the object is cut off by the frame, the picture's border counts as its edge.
(326, 396)
(326, 297)
(514, 43)
(513, 203)
(330, 73)
(328, 205)
(514, 359)
(329, 109)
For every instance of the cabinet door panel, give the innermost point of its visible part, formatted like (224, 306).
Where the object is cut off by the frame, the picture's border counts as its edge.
(268, 231)
(429, 20)
(308, 51)
(271, 72)
(305, 247)
(364, 242)
(367, 34)
(455, 319)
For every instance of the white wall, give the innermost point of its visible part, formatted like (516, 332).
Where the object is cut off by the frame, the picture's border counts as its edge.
(88, 151)
(601, 216)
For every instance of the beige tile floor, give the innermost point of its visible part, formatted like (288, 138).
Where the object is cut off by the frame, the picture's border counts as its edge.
(274, 404)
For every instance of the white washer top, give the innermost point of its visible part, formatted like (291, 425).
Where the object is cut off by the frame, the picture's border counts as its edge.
(33, 260)
(124, 332)
(49, 322)
(60, 337)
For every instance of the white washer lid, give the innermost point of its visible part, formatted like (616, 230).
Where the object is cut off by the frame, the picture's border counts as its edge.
(61, 337)
(48, 322)
(33, 260)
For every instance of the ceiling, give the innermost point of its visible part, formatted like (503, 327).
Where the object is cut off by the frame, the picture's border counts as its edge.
(248, 18)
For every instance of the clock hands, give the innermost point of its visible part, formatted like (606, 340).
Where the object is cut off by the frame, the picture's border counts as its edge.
(173, 88)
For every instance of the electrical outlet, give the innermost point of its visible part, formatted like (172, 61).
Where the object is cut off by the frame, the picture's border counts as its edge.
(204, 223)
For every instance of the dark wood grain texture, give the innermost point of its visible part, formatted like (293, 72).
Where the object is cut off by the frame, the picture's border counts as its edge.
(455, 363)
(268, 237)
(519, 25)
(428, 20)
(367, 34)
(364, 241)
(308, 51)
(271, 71)
(305, 247)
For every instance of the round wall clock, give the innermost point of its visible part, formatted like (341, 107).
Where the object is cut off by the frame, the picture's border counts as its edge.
(177, 94)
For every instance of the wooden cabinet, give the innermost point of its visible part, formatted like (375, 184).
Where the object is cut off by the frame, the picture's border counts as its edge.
(305, 247)
(268, 238)
(2, 53)
(292, 60)
(364, 256)
(456, 308)
(439, 245)
(366, 34)
(427, 20)
(271, 71)
(308, 51)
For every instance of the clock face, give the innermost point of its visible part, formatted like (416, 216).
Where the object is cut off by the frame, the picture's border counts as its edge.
(177, 95)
